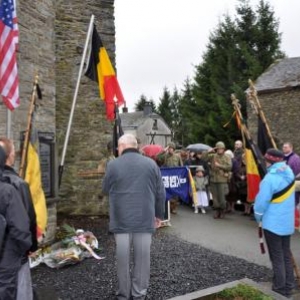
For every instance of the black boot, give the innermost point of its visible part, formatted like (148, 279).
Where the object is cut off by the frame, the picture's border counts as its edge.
(217, 213)
(222, 214)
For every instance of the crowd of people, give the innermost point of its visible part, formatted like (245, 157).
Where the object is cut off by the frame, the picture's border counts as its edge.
(223, 175)
(137, 203)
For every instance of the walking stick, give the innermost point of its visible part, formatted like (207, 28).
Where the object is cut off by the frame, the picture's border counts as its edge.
(296, 269)
(261, 239)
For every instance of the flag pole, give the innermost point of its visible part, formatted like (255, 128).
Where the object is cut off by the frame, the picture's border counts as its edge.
(258, 109)
(28, 128)
(245, 131)
(61, 166)
(8, 124)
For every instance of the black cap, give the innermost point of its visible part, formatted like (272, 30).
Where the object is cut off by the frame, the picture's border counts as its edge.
(273, 155)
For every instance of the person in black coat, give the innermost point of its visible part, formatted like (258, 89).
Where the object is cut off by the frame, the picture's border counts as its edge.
(24, 277)
(17, 239)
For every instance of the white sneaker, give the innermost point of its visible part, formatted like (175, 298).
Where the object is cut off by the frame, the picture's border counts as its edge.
(203, 210)
(196, 210)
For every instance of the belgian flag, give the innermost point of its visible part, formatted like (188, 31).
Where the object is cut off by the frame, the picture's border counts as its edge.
(100, 69)
(255, 163)
(33, 177)
(255, 167)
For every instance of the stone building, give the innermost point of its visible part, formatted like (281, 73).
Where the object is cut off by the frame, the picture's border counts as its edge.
(51, 40)
(147, 126)
(278, 90)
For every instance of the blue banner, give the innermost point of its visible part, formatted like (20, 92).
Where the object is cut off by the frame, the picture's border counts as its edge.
(176, 181)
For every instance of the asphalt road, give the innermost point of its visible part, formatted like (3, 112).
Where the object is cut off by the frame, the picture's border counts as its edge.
(236, 235)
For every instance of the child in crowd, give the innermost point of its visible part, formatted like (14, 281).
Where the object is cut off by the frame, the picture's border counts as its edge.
(200, 184)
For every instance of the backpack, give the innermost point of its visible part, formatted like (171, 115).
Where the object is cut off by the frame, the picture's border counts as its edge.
(2, 229)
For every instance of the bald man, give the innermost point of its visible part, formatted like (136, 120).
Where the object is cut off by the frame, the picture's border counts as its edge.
(136, 197)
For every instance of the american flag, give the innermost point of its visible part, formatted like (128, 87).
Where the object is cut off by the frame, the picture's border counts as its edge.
(9, 80)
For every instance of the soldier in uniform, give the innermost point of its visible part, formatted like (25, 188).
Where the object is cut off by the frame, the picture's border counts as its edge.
(220, 167)
(110, 156)
(168, 158)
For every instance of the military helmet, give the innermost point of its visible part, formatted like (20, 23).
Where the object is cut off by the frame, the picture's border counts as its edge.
(172, 145)
(220, 145)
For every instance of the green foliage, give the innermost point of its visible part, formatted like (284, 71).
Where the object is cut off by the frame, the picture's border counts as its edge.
(65, 231)
(242, 292)
(235, 53)
(164, 107)
(139, 105)
(186, 121)
(239, 49)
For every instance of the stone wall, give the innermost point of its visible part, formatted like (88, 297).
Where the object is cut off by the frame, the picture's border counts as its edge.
(52, 37)
(90, 130)
(36, 55)
(280, 109)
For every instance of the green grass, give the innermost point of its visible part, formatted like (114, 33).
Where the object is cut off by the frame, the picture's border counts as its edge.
(242, 292)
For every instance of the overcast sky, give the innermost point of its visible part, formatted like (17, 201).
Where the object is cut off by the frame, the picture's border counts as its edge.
(158, 42)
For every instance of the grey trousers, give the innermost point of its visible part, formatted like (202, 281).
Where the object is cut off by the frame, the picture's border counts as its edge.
(24, 291)
(133, 284)
(281, 259)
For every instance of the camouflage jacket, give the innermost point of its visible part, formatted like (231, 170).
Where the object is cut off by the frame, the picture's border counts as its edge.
(222, 173)
(167, 160)
(103, 163)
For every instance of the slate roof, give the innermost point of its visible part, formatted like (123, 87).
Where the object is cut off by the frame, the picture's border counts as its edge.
(283, 74)
(135, 119)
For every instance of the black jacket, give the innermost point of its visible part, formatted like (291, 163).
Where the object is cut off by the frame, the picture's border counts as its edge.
(194, 163)
(17, 238)
(23, 189)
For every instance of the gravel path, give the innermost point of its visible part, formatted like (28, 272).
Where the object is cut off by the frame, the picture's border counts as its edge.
(177, 268)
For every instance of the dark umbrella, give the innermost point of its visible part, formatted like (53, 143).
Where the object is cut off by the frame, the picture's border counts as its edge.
(152, 150)
(198, 147)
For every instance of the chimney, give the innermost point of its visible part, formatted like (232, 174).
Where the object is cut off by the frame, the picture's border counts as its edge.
(147, 109)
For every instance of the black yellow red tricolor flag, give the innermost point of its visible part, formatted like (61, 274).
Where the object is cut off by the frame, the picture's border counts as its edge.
(101, 70)
(255, 167)
(33, 177)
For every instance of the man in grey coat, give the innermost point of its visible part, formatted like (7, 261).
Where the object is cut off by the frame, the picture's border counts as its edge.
(136, 197)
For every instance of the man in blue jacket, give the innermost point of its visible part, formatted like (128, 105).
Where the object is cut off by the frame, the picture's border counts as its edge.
(274, 207)
(136, 206)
